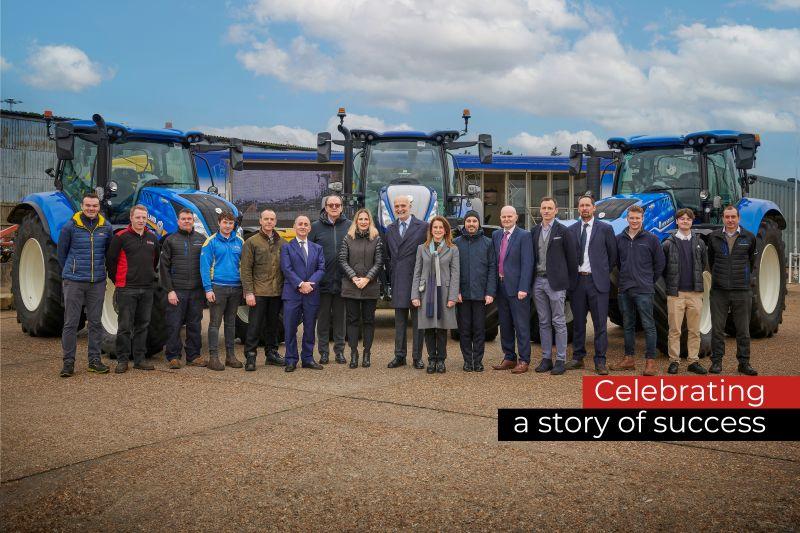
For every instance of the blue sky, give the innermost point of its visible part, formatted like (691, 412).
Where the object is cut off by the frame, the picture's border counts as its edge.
(535, 74)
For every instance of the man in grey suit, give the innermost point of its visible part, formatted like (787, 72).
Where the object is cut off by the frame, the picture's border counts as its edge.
(403, 236)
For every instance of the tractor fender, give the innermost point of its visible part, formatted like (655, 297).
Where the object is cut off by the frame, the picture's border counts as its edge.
(53, 209)
(753, 210)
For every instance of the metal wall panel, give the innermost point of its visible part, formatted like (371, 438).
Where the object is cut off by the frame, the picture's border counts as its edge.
(782, 193)
(25, 155)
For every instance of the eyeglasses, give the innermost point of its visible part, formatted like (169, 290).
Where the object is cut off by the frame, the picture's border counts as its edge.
(334, 205)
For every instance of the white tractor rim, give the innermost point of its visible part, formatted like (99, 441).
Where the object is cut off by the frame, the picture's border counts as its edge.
(769, 278)
(568, 313)
(705, 313)
(243, 313)
(109, 318)
(31, 275)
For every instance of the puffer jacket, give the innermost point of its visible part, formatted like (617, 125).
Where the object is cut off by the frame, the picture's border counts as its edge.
(672, 273)
(219, 261)
(180, 261)
(260, 268)
(361, 257)
(478, 266)
(330, 236)
(82, 247)
(732, 270)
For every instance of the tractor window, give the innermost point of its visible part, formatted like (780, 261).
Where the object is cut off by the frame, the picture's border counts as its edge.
(722, 178)
(674, 170)
(78, 176)
(358, 160)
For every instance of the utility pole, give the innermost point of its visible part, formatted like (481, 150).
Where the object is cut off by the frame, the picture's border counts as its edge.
(11, 102)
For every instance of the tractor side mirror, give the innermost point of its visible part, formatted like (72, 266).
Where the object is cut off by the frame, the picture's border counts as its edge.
(237, 154)
(745, 151)
(212, 189)
(485, 148)
(575, 159)
(323, 147)
(65, 141)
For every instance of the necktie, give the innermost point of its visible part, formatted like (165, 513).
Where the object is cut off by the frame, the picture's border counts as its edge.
(582, 244)
(503, 246)
(305, 252)
(402, 229)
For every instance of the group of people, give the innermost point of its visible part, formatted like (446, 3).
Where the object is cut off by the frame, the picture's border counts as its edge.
(328, 278)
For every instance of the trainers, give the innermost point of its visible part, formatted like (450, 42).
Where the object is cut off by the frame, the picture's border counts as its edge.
(144, 365)
(197, 361)
(67, 370)
(174, 364)
(121, 368)
(250, 362)
(98, 367)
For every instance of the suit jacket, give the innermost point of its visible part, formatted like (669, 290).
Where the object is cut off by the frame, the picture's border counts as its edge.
(602, 251)
(562, 256)
(401, 256)
(296, 270)
(518, 262)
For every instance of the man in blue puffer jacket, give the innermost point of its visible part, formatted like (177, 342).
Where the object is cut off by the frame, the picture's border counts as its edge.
(82, 247)
(219, 270)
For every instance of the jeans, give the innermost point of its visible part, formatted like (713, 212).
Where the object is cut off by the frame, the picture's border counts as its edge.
(189, 311)
(471, 316)
(331, 315)
(436, 343)
(263, 317)
(360, 312)
(739, 303)
(630, 304)
(133, 306)
(77, 295)
(550, 308)
(226, 305)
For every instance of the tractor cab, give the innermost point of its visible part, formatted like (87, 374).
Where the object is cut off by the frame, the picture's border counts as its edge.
(382, 166)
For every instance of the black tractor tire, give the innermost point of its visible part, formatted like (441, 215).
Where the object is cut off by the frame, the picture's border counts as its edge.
(768, 281)
(156, 332)
(47, 318)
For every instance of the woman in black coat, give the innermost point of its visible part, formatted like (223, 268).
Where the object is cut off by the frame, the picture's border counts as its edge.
(361, 259)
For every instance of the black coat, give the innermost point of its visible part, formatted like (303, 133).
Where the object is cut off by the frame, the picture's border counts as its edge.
(731, 270)
(180, 261)
(478, 266)
(562, 256)
(401, 256)
(361, 257)
(672, 271)
(330, 237)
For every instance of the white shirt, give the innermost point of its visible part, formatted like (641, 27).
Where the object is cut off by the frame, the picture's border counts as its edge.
(738, 230)
(510, 230)
(585, 266)
(679, 234)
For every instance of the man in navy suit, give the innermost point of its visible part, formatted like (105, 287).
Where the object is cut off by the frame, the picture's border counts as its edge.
(597, 255)
(303, 266)
(555, 266)
(403, 236)
(514, 249)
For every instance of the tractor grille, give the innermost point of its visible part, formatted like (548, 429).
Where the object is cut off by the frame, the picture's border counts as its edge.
(208, 205)
(613, 207)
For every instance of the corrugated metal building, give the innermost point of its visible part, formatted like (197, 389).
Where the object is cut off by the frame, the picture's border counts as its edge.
(782, 193)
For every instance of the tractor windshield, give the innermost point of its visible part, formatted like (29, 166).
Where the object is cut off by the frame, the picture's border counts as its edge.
(138, 164)
(402, 162)
(672, 170)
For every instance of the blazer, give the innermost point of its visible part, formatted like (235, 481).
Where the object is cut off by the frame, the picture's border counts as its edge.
(602, 251)
(296, 270)
(562, 256)
(518, 262)
(401, 256)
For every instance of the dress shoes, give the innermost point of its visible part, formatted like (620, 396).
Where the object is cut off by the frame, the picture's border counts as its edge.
(747, 370)
(715, 368)
(144, 365)
(650, 368)
(507, 364)
(559, 367)
(521, 368)
(574, 364)
(397, 361)
(544, 365)
(440, 368)
(313, 365)
(340, 358)
(289, 368)
(467, 366)
(478, 367)
(672, 368)
(600, 369)
(323, 359)
(627, 363)
(431, 366)
(418, 364)
(697, 368)
(273, 358)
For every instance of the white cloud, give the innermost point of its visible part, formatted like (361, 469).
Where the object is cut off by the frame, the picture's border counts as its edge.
(64, 67)
(781, 5)
(523, 55)
(274, 134)
(562, 139)
(4, 64)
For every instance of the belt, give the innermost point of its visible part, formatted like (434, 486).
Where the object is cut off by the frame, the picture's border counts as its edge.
(585, 273)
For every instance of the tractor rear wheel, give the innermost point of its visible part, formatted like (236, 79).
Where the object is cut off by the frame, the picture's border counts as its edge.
(769, 281)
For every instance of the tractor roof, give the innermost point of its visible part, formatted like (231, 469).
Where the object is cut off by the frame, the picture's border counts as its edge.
(676, 141)
(170, 135)
(401, 135)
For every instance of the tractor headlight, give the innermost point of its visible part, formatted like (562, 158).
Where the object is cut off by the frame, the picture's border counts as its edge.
(199, 227)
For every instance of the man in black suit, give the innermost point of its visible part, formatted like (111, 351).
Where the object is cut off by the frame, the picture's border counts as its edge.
(555, 269)
(597, 254)
(403, 236)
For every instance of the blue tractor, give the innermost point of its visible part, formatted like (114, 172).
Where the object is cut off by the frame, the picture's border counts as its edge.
(703, 171)
(381, 166)
(124, 166)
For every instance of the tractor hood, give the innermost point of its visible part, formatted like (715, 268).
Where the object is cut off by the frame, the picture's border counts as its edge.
(659, 212)
(163, 205)
(424, 203)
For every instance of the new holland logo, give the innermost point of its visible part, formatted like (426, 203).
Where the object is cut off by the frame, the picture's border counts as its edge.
(217, 210)
(664, 223)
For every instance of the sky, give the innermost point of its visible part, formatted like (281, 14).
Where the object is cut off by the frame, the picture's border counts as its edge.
(535, 74)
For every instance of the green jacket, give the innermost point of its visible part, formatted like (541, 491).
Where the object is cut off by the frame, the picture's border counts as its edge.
(260, 268)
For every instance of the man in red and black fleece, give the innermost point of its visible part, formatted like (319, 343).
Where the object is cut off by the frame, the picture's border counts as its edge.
(131, 263)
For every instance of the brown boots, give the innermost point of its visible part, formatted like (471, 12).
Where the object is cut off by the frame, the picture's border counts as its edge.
(231, 361)
(629, 363)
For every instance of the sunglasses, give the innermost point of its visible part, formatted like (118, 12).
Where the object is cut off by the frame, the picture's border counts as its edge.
(334, 205)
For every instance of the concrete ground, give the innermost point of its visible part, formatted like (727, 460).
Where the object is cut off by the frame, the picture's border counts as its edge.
(365, 449)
